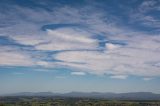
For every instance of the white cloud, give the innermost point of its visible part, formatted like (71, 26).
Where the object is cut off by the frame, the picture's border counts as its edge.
(139, 57)
(15, 59)
(68, 39)
(124, 60)
(42, 63)
(119, 76)
(110, 46)
(28, 39)
(78, 73)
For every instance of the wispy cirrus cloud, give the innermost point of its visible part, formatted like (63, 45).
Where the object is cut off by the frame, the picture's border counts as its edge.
(144, 15)
(86, 40)
(12, 57)
(69, 39)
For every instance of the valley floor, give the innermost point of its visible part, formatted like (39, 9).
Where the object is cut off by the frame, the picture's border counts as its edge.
(62, 101)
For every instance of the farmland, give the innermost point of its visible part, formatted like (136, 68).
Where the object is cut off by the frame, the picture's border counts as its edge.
(68, 101)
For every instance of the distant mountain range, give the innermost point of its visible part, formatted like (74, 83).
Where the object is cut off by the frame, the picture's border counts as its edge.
(119, 96)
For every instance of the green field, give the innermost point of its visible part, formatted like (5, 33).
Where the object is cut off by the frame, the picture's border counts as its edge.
(61, 101)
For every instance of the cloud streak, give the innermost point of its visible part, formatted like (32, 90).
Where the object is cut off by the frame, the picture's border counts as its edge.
(78, 73)
(119, 77)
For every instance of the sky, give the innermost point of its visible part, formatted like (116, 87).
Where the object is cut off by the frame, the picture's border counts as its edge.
(79, 45)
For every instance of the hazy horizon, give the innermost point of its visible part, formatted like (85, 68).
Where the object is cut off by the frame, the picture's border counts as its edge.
(3, 94)
(79, 45)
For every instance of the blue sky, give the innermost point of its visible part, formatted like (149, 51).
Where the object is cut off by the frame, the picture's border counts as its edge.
(82, 45)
